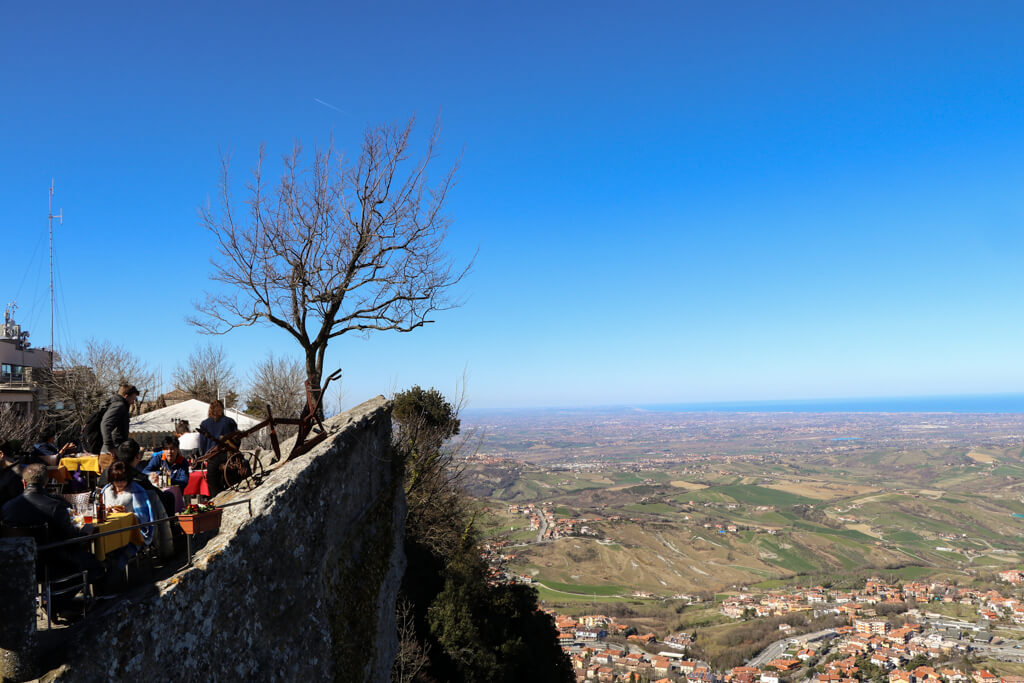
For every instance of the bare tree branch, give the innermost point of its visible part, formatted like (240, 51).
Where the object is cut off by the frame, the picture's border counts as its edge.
(86, 377)
(334, 248)
(208, 375)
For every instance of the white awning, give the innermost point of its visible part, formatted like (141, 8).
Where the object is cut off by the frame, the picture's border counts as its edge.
(193, 410)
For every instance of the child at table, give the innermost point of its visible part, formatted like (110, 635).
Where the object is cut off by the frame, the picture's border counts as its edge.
(171, 456)
(124, 495)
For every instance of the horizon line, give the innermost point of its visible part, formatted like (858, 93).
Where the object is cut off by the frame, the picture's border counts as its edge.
(710, 405)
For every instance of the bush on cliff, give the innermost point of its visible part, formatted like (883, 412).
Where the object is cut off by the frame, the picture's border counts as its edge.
(465, 629)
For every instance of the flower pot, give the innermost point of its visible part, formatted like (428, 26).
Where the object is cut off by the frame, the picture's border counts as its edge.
(203, 521)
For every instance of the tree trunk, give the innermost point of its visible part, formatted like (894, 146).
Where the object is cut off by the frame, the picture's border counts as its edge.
(314, 371)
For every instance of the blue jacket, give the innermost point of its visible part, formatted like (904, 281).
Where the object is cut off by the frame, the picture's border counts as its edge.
(179, 469)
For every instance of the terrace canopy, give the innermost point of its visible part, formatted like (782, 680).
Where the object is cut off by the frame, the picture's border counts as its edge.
(193, 410)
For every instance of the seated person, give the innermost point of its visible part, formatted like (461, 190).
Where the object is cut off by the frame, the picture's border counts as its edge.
(46, 451)
(172, 457)
(124, 495)
(35, 507)
(188, 441)
(130, 455)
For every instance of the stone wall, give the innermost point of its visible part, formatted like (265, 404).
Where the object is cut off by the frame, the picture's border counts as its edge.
(304, 589)
(17, 608)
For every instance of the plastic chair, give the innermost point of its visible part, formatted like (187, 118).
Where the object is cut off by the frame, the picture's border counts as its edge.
(77, 501)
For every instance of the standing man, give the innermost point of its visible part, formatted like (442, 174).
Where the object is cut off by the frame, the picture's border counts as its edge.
(115, 421)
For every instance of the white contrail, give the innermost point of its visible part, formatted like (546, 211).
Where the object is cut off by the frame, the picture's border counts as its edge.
(329, 105)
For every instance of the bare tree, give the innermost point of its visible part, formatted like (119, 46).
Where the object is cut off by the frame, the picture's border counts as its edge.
(279, 382)
(19, 425)
(208, 375)
(334, 248)
(87, 377)
(412, 655)
(335, 400)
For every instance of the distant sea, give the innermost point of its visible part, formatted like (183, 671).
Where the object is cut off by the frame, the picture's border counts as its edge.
(978, 403)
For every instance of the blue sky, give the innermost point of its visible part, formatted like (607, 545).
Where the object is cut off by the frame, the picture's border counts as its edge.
(679, 201)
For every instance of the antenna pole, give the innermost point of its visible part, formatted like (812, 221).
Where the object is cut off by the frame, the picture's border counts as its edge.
(59, 216)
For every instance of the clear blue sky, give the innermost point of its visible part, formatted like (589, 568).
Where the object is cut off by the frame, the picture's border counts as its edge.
(678, 201)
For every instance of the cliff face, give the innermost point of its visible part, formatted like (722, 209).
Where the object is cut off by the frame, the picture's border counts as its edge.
(304, 589)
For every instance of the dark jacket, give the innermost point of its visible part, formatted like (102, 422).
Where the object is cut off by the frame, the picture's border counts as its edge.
(10, 485)
(216, 428)
(43, 448)
(115, 423)
(35, 506)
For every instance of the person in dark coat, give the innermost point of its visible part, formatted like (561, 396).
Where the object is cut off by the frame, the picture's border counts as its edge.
(10, 481)
(35, 507)
(46, 451)
(215, 426)
(115, 421)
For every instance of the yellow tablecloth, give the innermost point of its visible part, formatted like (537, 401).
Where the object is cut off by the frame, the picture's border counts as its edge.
(86, 463)
(108, 544)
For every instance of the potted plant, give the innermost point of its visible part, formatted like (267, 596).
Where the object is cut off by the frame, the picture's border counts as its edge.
(196, 519)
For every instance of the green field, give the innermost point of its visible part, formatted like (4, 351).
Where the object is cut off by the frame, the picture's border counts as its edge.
(650, 508)
(585, 590)
(919, 499)
(759, 495)
(554, 597)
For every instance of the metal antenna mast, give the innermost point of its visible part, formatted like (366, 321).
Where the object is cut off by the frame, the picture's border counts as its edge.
(59, 216)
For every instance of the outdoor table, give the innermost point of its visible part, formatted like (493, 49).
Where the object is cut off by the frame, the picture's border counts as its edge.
(86, 463)
(197, 484)
(107, 544)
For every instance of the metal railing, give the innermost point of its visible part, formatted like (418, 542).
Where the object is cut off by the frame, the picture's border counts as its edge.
(89, 538)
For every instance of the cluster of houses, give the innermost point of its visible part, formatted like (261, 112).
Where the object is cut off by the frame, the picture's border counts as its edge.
(891, 650)
(594, 660)
(991, 604)
(1013, 576)
(617, 666)
(901, 653)
(558, 527)
(497, 554)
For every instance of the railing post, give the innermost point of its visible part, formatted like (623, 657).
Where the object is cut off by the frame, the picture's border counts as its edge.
(17, 608)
